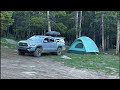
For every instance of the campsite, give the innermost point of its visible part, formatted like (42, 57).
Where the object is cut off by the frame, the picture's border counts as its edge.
(91, 40)
(48, 66)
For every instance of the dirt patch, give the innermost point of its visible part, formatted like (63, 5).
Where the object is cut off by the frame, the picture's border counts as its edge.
(14, 66)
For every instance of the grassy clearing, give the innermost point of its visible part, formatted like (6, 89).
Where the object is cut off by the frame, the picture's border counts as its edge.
(108, 64)
(4, 43)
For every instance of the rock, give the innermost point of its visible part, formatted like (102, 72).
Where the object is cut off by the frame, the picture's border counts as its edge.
(105, 53)
(65, 57)
(29, 73)
(15, 50)
(5, 47)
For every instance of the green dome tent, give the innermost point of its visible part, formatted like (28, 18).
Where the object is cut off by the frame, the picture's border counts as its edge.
(83, 45)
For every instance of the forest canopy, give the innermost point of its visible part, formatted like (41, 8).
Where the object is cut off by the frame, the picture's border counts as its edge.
(101, 26)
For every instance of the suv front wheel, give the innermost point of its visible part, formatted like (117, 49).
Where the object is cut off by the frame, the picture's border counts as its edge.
(21, 53)
(38, 52)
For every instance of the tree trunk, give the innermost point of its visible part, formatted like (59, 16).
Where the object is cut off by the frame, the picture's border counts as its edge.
(94, 36)
(118, 35)
(94, 32)
(80, 23)
(28, 35)
(44, 32)
(76, 26)
(94, 29)
(48, 18)
(107, 42)
(102, 25)
(29, 26)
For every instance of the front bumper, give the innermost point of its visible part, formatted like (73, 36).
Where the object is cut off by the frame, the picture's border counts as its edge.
(26, 49)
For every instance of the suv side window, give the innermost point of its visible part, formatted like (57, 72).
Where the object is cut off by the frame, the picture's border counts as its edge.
(46, 40)
(51, 40)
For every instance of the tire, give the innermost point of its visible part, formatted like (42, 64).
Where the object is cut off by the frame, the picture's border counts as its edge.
(59, 51)
(21, 53)
(38, 52)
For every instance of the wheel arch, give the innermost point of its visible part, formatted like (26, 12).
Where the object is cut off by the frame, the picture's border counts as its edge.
(39, 46)
(59, 46)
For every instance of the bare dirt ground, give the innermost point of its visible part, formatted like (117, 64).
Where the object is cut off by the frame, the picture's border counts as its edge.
(14, 66)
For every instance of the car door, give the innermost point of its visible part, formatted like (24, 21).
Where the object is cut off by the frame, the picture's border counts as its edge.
(46, 45)
(49, 45)
(53, 45)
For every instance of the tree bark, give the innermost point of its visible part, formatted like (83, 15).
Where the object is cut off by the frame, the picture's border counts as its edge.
(102, 25)
(48, 18)
(94, 37)
(107, 42)
(44, 32)
(94, 29)
(80, 23)
(76, 26)
(118, 35)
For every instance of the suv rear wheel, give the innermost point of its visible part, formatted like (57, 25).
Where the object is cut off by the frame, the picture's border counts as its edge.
(38, 52)
(59, 51)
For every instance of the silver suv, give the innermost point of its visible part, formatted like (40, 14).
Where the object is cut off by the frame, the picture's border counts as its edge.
(41, 44)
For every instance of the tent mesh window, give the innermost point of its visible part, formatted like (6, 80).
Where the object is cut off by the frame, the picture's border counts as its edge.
(79, 45)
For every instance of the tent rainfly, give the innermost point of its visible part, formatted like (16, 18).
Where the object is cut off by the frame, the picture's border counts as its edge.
(83, 45)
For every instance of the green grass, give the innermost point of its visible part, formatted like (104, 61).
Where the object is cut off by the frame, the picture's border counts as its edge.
(3, 42)
(108, 64)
